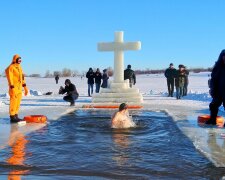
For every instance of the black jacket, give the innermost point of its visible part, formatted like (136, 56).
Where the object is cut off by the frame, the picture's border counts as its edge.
(98, 77)
(170, 73)
(105, 78)
(129, 74)
(217, 82)
(71, 90)
(90, 75)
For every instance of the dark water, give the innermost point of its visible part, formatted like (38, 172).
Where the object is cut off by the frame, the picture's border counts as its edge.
(82, 145)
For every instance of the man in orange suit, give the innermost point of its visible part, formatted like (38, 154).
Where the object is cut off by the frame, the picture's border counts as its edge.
(16, 82)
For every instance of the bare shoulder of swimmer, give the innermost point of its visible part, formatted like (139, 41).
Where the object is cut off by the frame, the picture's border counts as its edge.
(113, 115)
(116, 116)
(127, 113)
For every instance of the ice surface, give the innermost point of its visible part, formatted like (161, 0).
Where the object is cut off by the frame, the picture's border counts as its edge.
(208, 140)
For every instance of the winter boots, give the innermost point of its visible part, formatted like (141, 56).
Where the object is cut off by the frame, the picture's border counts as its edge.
(15, 119)
(213, 114)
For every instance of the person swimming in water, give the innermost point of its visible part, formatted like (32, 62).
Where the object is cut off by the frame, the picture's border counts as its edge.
(121, 118)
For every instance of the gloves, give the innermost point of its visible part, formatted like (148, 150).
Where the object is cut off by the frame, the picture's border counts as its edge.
(26, 91)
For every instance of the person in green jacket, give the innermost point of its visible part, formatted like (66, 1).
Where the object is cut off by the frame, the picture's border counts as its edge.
(179, 81)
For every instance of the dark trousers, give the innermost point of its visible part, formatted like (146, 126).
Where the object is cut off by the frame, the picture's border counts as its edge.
(179, 92)
(90, 89)
(70, 98)
(185, 90)
(170, 85)
(97, 85)
(214, 107)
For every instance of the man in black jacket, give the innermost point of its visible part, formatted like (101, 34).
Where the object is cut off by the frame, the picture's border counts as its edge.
(90, 76)
(71, 91)
(170, 75)
(217, 88)
(98, 79)
(129, 74)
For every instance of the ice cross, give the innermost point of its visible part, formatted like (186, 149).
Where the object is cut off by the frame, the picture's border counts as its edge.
(119, 46)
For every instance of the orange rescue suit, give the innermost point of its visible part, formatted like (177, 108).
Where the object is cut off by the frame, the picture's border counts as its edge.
(16, 81)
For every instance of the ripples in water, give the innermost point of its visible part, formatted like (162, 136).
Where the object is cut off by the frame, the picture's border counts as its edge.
(83, 145)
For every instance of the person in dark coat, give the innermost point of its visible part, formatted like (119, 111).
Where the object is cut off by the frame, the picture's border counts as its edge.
(90, 75)
(186, 81)
(217, 87)
(129, 74)
(57, 79)
(209, 80)
(71, 91)
(98, 79)
(179, 81)
(105, 78)
(170, 74)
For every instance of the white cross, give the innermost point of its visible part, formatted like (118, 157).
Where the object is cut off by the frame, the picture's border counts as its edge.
(119, 46)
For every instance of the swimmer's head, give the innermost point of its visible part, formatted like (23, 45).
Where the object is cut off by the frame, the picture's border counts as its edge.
(123, 106)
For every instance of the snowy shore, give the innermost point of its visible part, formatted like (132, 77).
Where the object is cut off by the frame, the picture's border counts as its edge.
(208, 140)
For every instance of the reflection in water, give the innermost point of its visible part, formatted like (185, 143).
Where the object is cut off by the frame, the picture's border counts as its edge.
(121, 142)
(18, 143)
(216, 146)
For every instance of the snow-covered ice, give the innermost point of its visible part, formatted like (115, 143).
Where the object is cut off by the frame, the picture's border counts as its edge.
(208, 140)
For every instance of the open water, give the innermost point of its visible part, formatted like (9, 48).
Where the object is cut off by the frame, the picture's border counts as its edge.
(81, 145)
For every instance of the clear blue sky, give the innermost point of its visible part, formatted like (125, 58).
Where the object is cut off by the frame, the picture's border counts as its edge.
(54, 34)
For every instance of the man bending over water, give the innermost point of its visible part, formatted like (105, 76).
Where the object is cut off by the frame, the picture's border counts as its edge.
(121, 118)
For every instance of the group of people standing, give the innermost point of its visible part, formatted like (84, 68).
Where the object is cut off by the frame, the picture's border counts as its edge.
(97, 78)
(179, 78)
(101, 80)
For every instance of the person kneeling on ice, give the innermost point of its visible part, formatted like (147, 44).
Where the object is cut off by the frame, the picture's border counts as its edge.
(121, 118)
(71, 91)
(217, 88)
(16, 82)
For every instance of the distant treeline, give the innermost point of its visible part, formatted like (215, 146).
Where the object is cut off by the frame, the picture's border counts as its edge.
(160, 71)
(72, 73)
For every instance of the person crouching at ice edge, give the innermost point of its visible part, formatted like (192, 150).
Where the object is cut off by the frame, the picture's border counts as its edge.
(71, 91)
(16, 82)
(121, 118)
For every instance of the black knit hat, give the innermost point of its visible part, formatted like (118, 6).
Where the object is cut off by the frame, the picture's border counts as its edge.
(67, 81)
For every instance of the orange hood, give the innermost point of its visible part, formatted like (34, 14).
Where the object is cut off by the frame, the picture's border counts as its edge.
(15, 57)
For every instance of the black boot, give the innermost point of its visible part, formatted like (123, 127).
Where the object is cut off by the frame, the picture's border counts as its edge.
(211, 121)
(72, 104)
(213, 114)
(13, 119)
(16, 115)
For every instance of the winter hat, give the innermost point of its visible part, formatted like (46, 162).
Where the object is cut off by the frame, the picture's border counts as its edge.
(104, 70)
(129, 66)
(171, 64)
(67, 81)
(181, 66)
